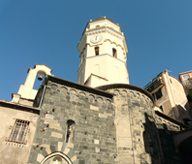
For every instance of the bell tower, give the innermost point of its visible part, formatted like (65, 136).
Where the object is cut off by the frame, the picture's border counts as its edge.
(103, 51)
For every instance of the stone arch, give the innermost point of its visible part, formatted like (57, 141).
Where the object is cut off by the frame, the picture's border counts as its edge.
(54, 86)
(108, 101)
(138, 95)
(73, 92)
(99, 99)
(64, 90)
(124, 93)
(117, 92)
(82, 94)
(91, 98)
(131, 93)
(61, 156)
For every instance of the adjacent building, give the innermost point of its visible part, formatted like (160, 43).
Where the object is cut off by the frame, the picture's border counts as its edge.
(186, 80)
(170, 96)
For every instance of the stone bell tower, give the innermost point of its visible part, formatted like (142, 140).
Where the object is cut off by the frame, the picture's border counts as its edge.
(103, 51)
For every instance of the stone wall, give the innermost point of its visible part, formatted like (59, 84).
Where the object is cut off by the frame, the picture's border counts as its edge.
(131, 108)
(94, 135)
(142, 136)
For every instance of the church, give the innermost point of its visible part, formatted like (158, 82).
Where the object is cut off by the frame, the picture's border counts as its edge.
(101, 119)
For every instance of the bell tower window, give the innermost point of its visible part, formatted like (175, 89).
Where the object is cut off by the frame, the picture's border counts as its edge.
(114, 53)
(96, 51)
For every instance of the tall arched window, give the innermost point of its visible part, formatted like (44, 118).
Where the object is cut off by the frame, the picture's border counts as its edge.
(114, 53)
(70, 131)
(96, 51)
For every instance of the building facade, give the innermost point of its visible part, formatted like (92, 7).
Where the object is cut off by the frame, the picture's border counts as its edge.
(170, 96)
(186, 80)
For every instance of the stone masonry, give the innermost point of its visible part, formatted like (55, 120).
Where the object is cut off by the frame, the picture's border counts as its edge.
(94, 139)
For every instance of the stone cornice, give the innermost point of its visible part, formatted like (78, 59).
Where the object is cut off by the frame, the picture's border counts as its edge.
(128, 86)
(79, 86)
(18, 106)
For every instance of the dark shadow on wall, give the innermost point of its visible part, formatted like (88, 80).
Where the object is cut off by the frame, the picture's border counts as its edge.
(184, 114)
(185, 150)
(158, 142)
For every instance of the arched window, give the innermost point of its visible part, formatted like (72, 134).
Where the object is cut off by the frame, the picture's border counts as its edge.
(56, 158)
(70, 131)
(114, 53)
(96, 51)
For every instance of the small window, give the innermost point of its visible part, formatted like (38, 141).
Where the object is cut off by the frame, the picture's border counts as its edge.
(186, 76)
(170, 81)
(161, 107)
(19, 131)
(96, 51)
(114, 53)
(70, 131)
(157, 95)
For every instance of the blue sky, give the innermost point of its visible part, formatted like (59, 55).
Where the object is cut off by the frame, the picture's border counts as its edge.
(158, 34)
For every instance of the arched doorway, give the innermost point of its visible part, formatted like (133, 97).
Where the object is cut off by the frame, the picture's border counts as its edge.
(57, 158)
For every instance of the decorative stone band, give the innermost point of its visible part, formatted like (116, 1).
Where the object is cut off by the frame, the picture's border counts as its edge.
(128, 86)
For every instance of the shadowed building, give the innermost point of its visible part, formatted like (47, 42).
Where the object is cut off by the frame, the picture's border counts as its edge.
(186, 80)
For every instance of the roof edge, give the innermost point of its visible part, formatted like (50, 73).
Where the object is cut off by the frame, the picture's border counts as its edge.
(79, 86)
(129, 86)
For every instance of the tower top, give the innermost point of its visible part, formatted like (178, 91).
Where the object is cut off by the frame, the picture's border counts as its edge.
(103, 54)
(101, 25)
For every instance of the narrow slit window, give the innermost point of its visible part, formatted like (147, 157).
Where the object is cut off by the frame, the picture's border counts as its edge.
(70, 131)
(19, 131)
(96, 51)
(114, 53)
(161, 107)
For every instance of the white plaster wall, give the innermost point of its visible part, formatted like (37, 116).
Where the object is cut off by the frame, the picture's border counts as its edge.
(26, 90)
(12, 152)
(110, 68)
